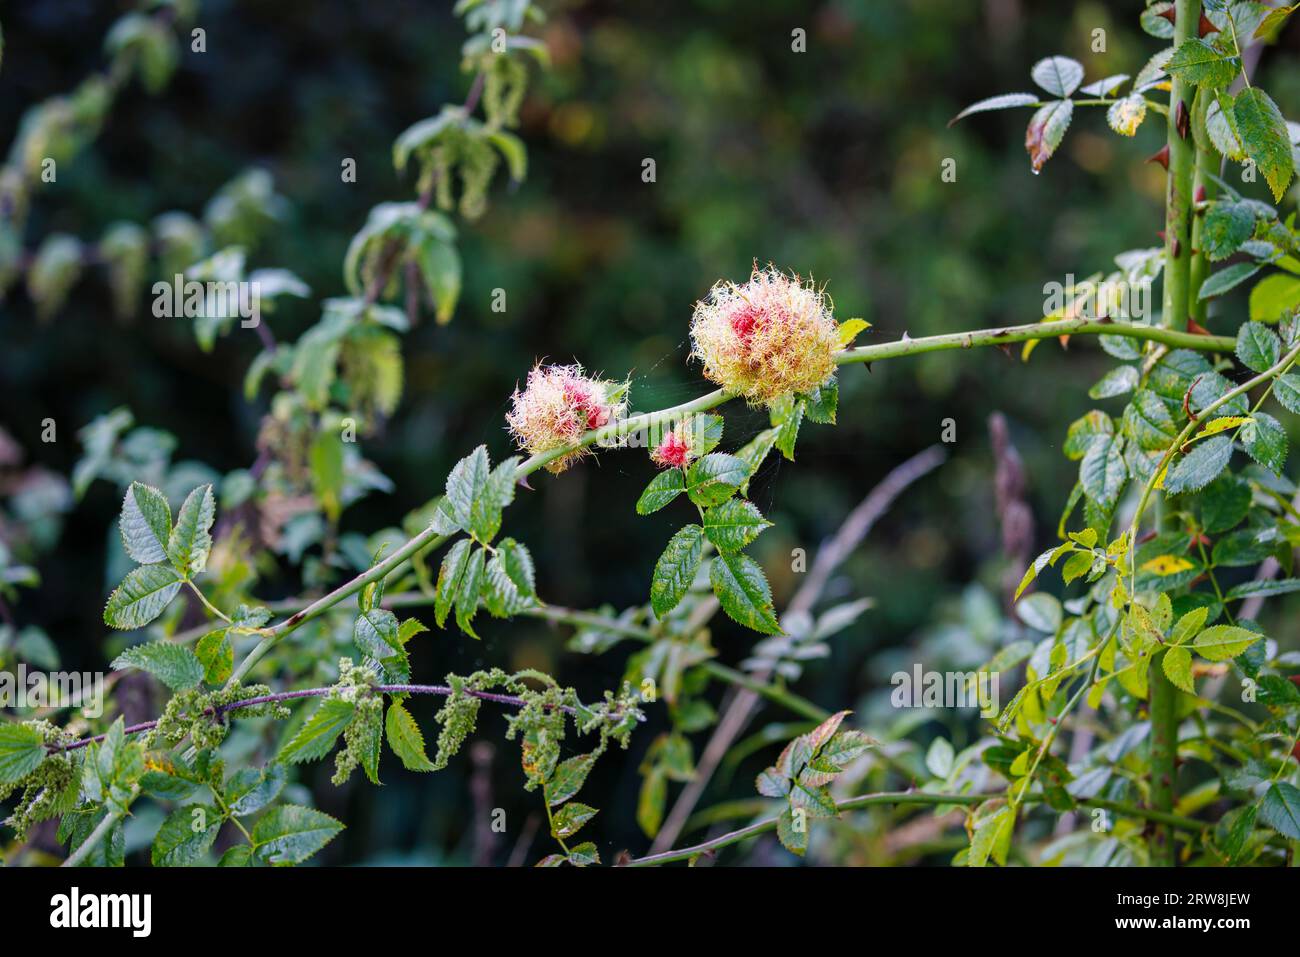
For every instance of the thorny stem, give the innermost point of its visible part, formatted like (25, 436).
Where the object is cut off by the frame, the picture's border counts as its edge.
(897, 798)
(615, 430)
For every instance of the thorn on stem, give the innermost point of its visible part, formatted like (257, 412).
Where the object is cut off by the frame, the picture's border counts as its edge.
(1160, 156)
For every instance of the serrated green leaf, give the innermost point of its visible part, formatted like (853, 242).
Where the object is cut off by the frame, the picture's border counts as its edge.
(316, 737)
(1117, 381)
(1223, 280)
(142, 596)
(714, 478)
(676, 569)
(1005, 101)
(375, 632)
(733, 524)
(568, 779)
(405, 738)
(1195, 61)
(1177, 664)
(217, 655)
(1200, 466)
(146, 523)
(1280, 809)
(1265, 137)
(186, 836)
(290, 834)
(1265, 441)
(1258, 346)
(1103, 471)
(1227, 225)
(569, 819)
(1058, 75)
(743, 592)
(469, 591)
(251, 789)
(449, 577)
(465, 483)
(509, 583)
(174, 665)
(663, 488)
(22, 749)
(190, 540)
(1221, 642)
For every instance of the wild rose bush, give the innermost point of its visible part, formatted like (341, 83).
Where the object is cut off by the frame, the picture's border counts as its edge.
(1191, 715)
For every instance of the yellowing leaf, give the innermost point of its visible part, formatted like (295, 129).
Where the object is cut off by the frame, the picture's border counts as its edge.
(850, 329)
(1167, 565)
(1222, 423)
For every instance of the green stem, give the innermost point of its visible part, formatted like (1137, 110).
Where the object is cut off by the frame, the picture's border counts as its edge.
(899, 798)
(1203, 189)
(1178, 300)
(92, 840)
(615, 432)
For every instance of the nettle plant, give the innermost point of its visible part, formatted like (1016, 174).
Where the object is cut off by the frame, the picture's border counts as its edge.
(1155, 633)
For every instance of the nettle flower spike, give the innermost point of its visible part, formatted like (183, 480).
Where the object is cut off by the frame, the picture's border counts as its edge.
(558, 405)
(770, 337)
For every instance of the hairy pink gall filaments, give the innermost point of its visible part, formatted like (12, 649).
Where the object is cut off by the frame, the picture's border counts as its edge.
(767, 338)
(557, 406)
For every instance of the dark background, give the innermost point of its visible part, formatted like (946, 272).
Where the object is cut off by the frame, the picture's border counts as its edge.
(826, 162)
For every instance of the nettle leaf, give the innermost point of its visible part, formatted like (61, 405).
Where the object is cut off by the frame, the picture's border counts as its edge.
(1258, 346)
(676, 569)
(1177, 664)
(174, 665)
(142, 596)
(714, 478)
(1004, 101)
(217, 655)
(1200, 466)
(465, 483)
(146, 523)
(663, 488)
(191, 539)
(1265, 137)
(1227, 225)
(1195, 61)
(743, 592)
(316, 737)
(22, 749)
(1265, 441)
(376, 633)
(1103, 471)
(733, 524)
(1221, 642)
(405, 738)
(251, 789)
(290, 834)
(186, 835)
(510, 580)
(570, 819)
(1046, 130)
(1280, 809)
(449, 577)
(568, 779)
(469, 591)
(1058, 75)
